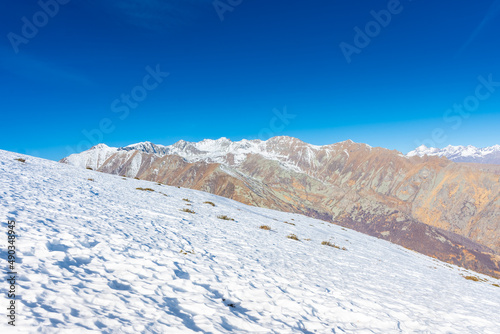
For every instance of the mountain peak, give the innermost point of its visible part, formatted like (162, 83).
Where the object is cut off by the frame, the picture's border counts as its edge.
(99, 147)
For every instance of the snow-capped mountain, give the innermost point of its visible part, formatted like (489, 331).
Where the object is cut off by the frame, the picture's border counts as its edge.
(226, 151)
(222, 151)
(428, 204)
(486, 155)
(99, 253)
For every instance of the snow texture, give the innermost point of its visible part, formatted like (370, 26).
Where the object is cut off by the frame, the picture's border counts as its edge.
(97, 255)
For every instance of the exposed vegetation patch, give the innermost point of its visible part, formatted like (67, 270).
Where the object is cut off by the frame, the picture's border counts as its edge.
(91, 180)
(494, 284)
(145, 189)
(229, 304)
(224, 217)
(186, 200)
(20, 159)
(331, 244)
(265, 227)
(293, 237)
(289, 223)
(210, 203)
(474, 278)
(187, 210)
(186, 252)
(89, 168)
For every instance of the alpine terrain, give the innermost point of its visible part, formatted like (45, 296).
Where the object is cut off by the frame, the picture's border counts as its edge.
(447, 210)
(100, 253)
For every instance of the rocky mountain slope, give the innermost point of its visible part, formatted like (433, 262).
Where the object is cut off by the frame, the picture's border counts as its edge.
(486, 155)
(429, 204)
(100, 253)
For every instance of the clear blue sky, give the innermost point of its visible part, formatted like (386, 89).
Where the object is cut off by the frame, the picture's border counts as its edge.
(227, 76)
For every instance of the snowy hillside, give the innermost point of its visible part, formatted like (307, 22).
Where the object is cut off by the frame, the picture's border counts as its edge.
(487, 155)
(97, 254)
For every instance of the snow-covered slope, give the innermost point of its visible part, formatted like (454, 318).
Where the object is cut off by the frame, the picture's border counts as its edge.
(99, 255)
(486, 155)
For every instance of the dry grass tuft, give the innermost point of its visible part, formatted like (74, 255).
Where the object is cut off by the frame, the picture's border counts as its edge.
(187, 210)
(145, 189)
(330, 244)
(20, 159)
(475, 278)
(289, 223)
(224, 217)
(293, 237)
(89, 168)
(186, 200)
(91, 180)
(210, 203)
(265, 227)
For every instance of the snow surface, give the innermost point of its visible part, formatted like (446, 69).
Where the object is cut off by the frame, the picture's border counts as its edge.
(101, 256)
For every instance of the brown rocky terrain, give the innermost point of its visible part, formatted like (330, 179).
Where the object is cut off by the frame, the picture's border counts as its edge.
(447, 210)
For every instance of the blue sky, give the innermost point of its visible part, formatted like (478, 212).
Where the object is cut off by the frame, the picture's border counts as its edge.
(65, 86)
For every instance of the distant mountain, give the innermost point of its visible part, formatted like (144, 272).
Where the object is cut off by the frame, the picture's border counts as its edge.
(221, 151)
(487, 155)
(429, 204)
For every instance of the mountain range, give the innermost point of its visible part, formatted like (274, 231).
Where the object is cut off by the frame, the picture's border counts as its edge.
(429, 204)
(486, 155)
